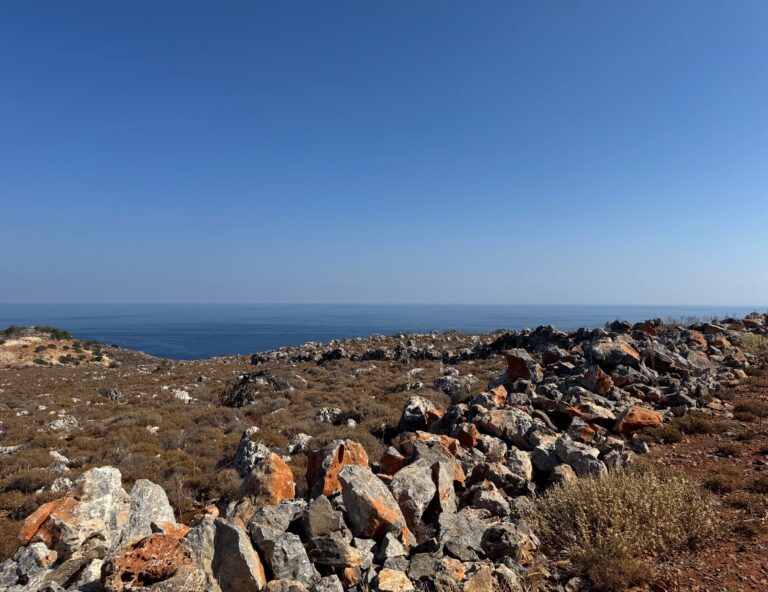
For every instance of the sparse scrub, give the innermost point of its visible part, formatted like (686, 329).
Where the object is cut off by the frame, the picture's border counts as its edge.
(609, 526)
(754, 344)
(725, 480)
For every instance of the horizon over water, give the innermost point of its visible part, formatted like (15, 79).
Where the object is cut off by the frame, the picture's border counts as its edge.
(194, 331)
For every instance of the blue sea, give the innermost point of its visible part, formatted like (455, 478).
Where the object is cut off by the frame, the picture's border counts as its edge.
(193, 331)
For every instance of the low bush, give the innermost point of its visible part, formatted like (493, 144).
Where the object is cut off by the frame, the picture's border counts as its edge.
(750, 410)
(610, 526)
(756, 345)
(725, 480)
(696, 422)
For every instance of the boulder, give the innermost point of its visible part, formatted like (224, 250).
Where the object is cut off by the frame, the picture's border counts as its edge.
(322, 519)
(147, 504)
(27, 568)
(636, 418)
(325, 464)
(159, 561)
(87, 521)
(418, 414)
(287, 558)
(333, 551)
(460, 534)
(225, 555)
(391, 580)
(269, 482)
(609, 353)
(511, 425)
(506, 540)
(521, 366)
(597, 381)
(582, 458)
(414, 489)
(249, 452)
(371, 508)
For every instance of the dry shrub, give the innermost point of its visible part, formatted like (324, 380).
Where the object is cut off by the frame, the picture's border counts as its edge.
(750, 409)
(725, 479)
(696, 422)
(664, 434)
(756, 345)
(609, 526)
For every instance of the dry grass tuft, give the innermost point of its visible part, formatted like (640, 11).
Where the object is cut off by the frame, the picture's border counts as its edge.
(756, 345)
(610, 526)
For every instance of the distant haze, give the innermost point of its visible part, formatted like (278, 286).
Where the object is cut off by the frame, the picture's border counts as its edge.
(384, 152)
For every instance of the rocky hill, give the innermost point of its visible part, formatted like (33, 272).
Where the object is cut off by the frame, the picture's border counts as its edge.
(426, 462)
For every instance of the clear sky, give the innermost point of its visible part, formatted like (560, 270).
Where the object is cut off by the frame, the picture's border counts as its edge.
(398, 151)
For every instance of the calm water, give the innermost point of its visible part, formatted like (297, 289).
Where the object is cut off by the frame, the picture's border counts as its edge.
(189, 331)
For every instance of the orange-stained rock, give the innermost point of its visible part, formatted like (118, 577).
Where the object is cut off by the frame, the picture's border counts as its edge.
(636, 418)
(392, 461)
(520, 365)
(434, 415)
(210, 510)
(405, 442)
(161, 561)
(324, 465)
(270, 482)
(392, 580)
(371, 508)
(38, 528)
(350, 576)
(597, 381)
(499, 395)
(177, 530)
(696, 339)
(646, 327)
(453, 567)
(468, 435)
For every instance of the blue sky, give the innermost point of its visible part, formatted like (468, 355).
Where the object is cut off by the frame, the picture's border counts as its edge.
(400, 151)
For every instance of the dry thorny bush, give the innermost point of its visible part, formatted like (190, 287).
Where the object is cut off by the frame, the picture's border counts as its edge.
(609, 527)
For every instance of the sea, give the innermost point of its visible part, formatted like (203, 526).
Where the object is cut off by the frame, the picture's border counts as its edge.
(195, 331)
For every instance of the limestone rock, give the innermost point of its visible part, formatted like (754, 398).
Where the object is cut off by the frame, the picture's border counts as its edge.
(324, 465)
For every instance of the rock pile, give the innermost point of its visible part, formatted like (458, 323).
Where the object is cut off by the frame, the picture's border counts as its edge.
(443, 509)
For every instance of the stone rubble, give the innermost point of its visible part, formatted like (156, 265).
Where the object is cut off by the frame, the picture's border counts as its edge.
(443, 509)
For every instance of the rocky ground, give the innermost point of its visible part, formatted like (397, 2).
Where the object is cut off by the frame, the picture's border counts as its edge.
(391, 463)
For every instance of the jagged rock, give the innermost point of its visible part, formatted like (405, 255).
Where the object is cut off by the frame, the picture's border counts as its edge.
(328, 415)
(461, 534)
(249, 452)
(287, 558)
(27, 568)
(609, 353)
(285, 586)
(332, 550)
(413, 489)
(519, 462)
(366, 549)
(159, 561)
(299, 443)
(391, 580)
(371, 508)
(597, 381)
(636, 418)
(322, 519)
(511, 425)
(582, 458)
(506, 540)
(418, 414)
(324, 465)
(488, 497)
(520, 365)
(390, 547)
(87, 521)
(225, 555)
(443, 474)
(269, 482)
(147, 504)
(392, 461)
(328, 584)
